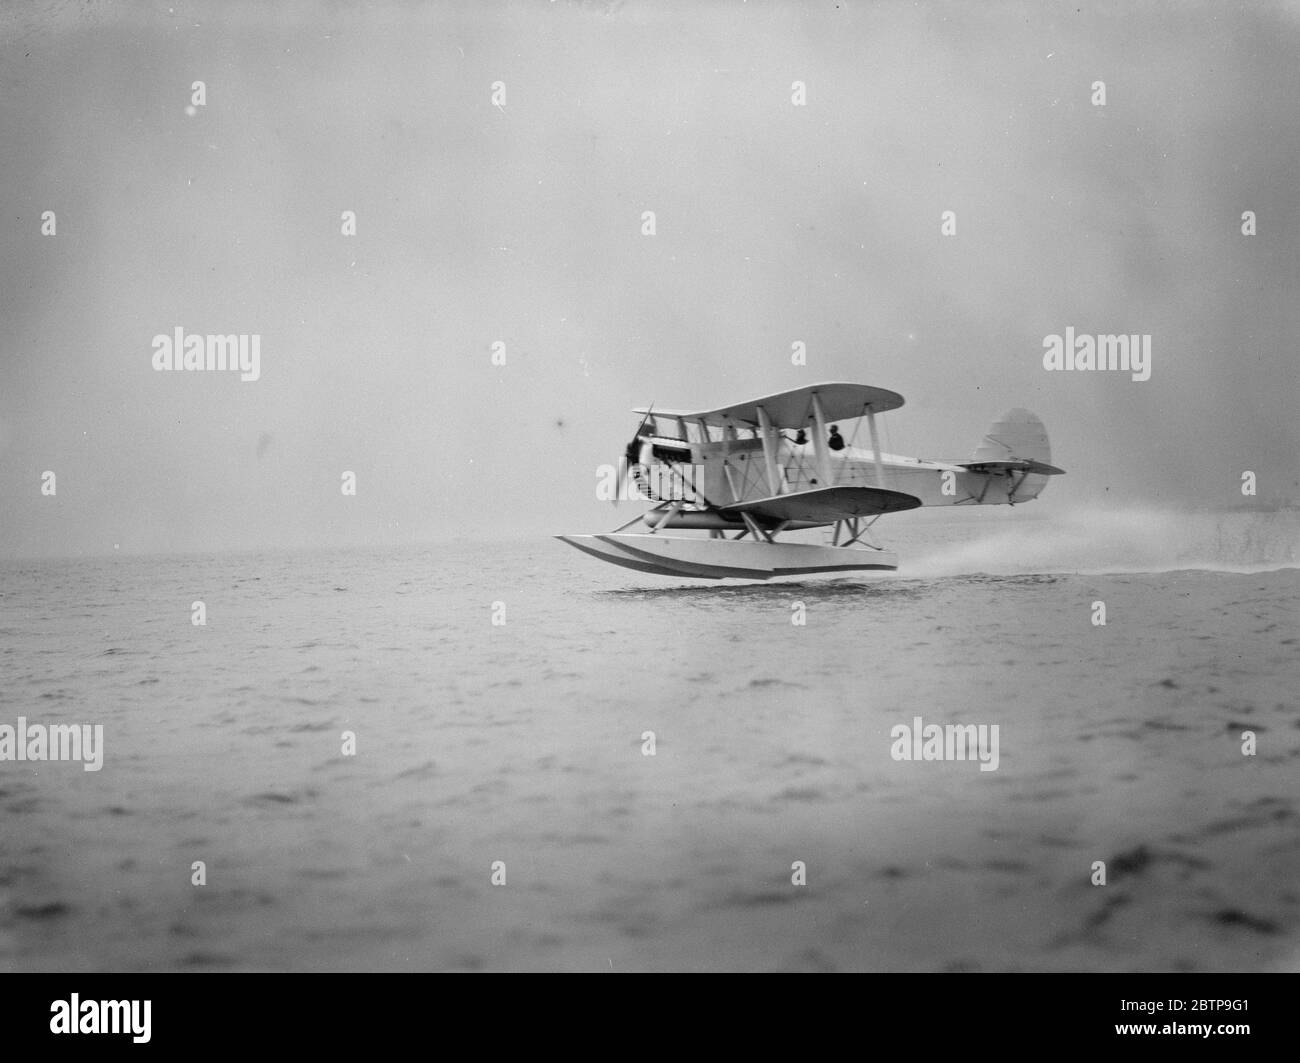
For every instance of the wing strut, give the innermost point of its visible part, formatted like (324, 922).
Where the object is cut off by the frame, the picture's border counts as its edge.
(819, 443)
(754, 529)
(875, 447)
(769, 451)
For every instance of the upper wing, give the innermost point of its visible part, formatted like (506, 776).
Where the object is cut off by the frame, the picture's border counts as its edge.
(828, 504)
(793, 409)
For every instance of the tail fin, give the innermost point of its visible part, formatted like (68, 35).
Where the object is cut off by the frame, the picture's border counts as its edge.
(1016, 436)
(1017, 442)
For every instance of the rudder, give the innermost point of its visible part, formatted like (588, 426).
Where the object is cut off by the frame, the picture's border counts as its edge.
(1019, 435)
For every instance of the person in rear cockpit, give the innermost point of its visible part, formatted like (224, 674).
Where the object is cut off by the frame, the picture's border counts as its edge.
(801, 437)
(836, 441)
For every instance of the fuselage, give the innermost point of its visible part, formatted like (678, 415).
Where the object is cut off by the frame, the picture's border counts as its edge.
(723, 472)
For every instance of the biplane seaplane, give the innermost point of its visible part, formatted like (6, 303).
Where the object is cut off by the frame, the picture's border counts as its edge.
(747, 473)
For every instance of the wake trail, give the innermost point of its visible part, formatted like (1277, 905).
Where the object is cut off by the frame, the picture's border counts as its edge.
(1106, 541)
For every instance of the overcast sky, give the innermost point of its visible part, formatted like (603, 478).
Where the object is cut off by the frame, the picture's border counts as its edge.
(522, 223)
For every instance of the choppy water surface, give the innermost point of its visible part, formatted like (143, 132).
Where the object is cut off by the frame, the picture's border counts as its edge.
(523, 743)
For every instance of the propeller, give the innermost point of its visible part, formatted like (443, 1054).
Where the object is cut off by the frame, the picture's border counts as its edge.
(632, 452)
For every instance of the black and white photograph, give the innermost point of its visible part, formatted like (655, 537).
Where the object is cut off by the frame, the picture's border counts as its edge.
(615, 486)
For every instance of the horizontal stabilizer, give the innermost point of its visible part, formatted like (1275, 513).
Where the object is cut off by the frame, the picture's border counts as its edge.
(1039, 467)
(828, 504)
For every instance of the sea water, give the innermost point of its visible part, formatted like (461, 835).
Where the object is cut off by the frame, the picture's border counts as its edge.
(556, 764)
